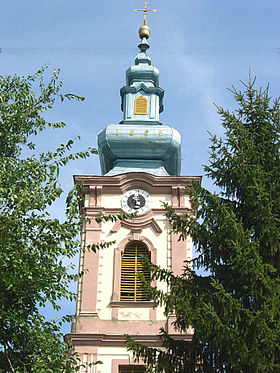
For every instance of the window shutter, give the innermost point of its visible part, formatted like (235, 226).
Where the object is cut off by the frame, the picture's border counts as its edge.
(132, 264)
(141, 105)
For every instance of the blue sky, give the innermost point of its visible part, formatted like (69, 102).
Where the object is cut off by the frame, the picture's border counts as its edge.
(200, 47)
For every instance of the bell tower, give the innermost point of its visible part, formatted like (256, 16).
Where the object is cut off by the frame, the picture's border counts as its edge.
(140, 164)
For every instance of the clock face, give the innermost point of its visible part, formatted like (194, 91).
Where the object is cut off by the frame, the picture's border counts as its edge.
(136, 200)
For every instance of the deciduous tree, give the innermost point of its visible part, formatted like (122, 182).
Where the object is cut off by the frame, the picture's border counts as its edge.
(34, 247)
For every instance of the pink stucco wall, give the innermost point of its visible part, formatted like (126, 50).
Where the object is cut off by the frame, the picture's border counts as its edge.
(88, 325)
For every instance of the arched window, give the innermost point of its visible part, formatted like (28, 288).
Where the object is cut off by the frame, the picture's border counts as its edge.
(132, 264)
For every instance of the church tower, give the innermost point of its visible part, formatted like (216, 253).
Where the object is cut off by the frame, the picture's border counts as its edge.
(140, 164)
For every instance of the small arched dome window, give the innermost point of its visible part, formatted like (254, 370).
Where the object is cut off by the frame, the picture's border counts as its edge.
(132, 264)
(141, 105)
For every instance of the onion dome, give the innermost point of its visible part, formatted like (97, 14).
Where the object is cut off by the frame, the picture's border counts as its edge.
(140, 143)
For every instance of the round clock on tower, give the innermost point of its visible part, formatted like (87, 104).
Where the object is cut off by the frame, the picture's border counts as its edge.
(136, 200)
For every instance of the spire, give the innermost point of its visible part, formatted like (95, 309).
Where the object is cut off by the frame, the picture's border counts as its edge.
(140, 143)
(144, 31)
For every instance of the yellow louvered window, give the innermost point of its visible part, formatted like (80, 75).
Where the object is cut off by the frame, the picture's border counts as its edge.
(132, 370)
(131, 265)
(141, 105)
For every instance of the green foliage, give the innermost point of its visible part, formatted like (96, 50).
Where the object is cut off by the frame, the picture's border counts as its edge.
(33, 246)
(113, 218)
(100, 246)
(234, 308)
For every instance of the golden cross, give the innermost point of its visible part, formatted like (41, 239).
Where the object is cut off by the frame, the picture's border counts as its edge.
(145, 10)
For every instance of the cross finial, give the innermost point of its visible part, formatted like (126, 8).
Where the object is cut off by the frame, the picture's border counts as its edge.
(145, 10)
(144, 31)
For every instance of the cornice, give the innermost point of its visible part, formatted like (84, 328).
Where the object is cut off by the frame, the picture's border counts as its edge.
(122, 183)
(96, 211)
(126, 304)
(119, 340)
(143, 87)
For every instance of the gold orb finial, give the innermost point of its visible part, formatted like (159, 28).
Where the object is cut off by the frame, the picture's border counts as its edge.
(144, 31)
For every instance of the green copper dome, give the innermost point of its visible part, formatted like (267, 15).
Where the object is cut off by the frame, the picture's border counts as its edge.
(140, 143)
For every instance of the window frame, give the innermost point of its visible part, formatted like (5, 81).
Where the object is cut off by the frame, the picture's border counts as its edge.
(132, 369)
(115, 300)
(131, 288)
(118, 364)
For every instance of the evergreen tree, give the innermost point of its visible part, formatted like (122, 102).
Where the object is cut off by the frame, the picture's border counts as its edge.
(234, 308)
(33, 245)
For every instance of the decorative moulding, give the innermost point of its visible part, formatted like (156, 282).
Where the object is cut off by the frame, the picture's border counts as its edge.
(97, 211)
(136, 225)
(145, 240)
(119, 340)
(125, 304)
(88, 314)
(122, 183)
